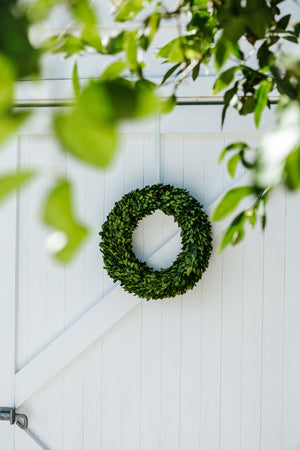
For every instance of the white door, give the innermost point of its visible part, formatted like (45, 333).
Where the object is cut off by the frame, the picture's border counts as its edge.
(93, 367)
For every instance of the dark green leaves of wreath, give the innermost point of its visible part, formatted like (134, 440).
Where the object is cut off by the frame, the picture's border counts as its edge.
(135, 276)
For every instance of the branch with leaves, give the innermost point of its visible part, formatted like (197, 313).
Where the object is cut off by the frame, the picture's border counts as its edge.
(249, 44)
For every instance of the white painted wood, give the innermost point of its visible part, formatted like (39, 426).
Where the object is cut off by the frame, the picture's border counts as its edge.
(8, 292)
(273, 324)
(291, 388)
(71, 343)
(78, 337)
(198, 372)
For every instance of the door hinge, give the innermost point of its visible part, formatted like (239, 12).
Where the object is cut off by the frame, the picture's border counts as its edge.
(10, 414)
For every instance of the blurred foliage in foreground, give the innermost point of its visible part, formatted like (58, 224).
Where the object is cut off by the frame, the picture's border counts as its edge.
(245, 41)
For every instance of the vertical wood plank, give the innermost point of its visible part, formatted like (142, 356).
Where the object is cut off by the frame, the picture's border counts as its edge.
(211, 325)
(8, 236)
(291, 386)
(273, 324)
(150, 375)
(252, 338)
(232, 331)
(190, 370)
(131, 324)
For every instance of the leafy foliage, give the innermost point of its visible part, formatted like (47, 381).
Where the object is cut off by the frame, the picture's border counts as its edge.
(242, 40)
(135, 276)
(12, 181)
(58, 214)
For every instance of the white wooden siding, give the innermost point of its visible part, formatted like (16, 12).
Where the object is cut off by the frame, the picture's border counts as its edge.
(215, 369)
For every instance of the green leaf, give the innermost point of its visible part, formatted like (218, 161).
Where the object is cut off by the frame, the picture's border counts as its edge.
(224, 79)
(264, 55)
(13, 181)
(83, 11)
(9, 123)
(38, 10)
(172, 51)
(235, 232)
(248, 105)
(115, 44)
(232, 164)
(251, 216)
(230, 201)
(14, 39)
(90, 36)
(291, 39)
(89, 140)
(283, 22)
(283, 84)
(7, 78)
(129, 9)
(67, 43)
(241, 146)
(75, 80)
(113, 71)
(168, 104)
(196, 71)
(292, 170)
(170, 72)
(262, 99)
(228, 96)
(130, 48)
(58, 214)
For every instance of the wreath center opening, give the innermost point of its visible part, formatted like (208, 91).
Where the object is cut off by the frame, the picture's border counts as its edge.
(152, 232)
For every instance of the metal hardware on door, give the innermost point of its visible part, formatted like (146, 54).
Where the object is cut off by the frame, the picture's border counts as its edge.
(10, 414)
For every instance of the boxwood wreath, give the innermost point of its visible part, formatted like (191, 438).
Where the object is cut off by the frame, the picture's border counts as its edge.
(135, 276)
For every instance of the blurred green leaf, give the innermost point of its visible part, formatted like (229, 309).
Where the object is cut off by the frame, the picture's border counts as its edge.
(264, 55)
(291, 171)
(131, 48)
(14, 40)
(251, 216)
(231, 200)
(75, 80)
(115, 43)
(128, 9)
(240, 146)
(58, 214)
(38, 10)
(13, 181)
(284, 86)
(7, 78)
(224, 79)
(10, 122)
(86, 138)
(66, 43)
(235, 232)
(232, 164)
(196, 71)
(113, 71)
(170, 72)
(283, 22)
(90, 36)
(248, 105)
(172, 51)
(168, 105)
(262, 99)
(82, 9)
(228, 96)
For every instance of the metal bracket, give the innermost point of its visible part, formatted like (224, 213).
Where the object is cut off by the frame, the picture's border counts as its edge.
(10, 414)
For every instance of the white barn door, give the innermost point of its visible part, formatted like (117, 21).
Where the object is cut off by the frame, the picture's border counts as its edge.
(96, 368)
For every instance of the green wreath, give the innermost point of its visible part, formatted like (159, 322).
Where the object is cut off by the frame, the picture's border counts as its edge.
(135, 276)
